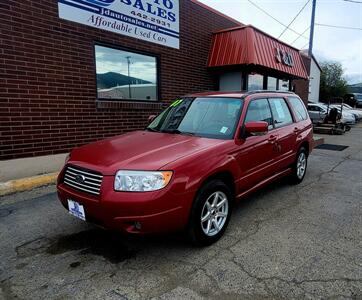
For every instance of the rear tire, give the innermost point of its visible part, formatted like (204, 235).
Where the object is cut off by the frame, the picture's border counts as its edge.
(210, 213)
(300, 166)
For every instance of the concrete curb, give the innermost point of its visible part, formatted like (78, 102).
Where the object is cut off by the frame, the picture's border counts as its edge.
(19, 185)
(317, 140)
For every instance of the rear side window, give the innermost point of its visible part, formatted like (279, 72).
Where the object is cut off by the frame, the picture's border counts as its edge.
(281, 113)
(259, 110)
(298, 108)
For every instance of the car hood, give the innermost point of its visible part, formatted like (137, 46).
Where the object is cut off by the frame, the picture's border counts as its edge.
(355, 112)
(138, 150)
(347, 115)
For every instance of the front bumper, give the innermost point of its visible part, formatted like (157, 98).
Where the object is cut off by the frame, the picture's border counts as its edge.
(155, 212)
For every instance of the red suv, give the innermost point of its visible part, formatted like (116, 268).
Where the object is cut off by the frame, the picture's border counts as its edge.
(190, 165)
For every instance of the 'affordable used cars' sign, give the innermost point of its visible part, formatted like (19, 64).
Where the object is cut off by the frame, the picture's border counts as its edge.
(156, 21)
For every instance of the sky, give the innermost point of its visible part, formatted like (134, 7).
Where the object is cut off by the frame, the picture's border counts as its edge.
(330, 44)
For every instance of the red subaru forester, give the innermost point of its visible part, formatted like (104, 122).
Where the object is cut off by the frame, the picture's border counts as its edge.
(190, 165)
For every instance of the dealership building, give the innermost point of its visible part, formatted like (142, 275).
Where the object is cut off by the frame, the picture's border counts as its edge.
(76, 71)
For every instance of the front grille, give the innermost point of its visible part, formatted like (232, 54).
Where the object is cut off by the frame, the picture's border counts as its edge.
(83, 180)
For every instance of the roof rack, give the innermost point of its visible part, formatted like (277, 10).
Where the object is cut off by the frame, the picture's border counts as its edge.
(269, 91)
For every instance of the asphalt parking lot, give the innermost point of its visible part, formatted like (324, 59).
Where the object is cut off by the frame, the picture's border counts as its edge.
(284, 242)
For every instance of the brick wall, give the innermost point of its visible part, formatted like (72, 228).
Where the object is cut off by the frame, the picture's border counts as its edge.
(47, 76)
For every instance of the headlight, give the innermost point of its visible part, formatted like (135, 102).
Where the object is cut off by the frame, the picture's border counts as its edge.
(141, 181)
(67, 158)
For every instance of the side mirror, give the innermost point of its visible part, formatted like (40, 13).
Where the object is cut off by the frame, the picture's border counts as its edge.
(151, 118)
(256, 128)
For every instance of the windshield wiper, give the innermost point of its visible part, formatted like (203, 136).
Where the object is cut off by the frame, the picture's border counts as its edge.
(151, 129)
(176, 131)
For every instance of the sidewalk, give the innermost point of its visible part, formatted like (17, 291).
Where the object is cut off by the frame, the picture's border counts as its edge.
(26, 173)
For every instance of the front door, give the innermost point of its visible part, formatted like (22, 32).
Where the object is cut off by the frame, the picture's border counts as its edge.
(257, 153)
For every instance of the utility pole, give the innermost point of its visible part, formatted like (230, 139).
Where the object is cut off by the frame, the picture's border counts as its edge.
(311, 35)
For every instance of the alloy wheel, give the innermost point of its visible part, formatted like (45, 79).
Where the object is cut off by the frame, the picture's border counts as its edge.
(301, 165)
(214, 213)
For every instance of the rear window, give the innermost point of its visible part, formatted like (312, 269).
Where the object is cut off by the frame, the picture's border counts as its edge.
(298, 108)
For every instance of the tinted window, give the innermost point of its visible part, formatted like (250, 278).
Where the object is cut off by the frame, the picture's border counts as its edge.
(314, 108)
(281, 113)
(206, 117)
(298, 108)
(283, 85)
(125, 75)
(259, 110)
(272, 83)
(255, 82)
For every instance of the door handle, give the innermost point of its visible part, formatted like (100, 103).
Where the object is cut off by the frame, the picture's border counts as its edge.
(272, 138)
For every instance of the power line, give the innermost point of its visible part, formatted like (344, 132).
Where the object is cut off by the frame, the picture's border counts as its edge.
(265, 12)
(285, 29)
(336, 26)
(300, 35)
(353, 1)
(307, 44)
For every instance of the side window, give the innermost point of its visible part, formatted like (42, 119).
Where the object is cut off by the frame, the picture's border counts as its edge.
(259, 110)
(298, 108)
(281, 113)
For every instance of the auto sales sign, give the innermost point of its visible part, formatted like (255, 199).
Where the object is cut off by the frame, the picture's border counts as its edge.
(156, 21)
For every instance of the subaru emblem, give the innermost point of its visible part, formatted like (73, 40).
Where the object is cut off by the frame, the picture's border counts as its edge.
(79, 178)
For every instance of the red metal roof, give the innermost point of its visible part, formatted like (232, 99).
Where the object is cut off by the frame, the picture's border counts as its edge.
(248, 45)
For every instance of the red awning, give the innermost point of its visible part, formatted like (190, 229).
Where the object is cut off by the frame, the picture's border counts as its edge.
(248, 45)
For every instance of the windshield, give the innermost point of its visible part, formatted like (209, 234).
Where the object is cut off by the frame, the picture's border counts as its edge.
(204, 117)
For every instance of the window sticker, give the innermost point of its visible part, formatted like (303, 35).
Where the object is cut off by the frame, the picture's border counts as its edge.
(279, 108)
(175, 103)
(224, 129)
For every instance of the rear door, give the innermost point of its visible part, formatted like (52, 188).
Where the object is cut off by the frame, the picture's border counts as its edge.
(285, 130)
(257, 152)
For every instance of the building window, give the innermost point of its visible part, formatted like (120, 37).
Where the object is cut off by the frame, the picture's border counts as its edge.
(272, 83)
(124, 75)
(230, 81)
(283, 85)
(255, 82)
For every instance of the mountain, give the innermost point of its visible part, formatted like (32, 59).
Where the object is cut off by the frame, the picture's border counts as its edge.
(112, 79)
(355, 88)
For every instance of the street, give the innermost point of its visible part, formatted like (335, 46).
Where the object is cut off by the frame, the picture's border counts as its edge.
(285, 241)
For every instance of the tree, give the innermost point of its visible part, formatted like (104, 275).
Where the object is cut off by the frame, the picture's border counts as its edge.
(333, 84)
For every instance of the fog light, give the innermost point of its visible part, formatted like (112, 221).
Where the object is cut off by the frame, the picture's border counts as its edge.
(137, 225)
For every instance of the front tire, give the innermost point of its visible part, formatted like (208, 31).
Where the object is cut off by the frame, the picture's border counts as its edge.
(300, 166)
(210, 213)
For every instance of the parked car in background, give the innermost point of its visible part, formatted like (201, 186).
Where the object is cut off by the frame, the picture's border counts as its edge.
(353, 99)
(318, 112)
(189, 166)
(355, 113)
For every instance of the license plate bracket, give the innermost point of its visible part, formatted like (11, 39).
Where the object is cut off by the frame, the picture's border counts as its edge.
(76, 209)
